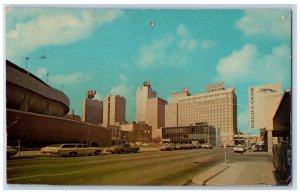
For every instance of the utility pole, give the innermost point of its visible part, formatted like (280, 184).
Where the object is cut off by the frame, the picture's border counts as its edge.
(47, 78)
(208, 134)
(224, 146)
(26, 67)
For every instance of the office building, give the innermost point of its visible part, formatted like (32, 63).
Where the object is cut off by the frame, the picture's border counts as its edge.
(92, 111)
(142, 95)
(199, 133)
(263, 103)
(171, 110)
(137, 132)
(114, 109)
(217, 107)
(155, 114)
(259, 97)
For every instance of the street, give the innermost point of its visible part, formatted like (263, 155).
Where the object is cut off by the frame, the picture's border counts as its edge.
(148, 168)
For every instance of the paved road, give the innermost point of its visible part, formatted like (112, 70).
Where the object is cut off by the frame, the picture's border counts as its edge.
(149, 168)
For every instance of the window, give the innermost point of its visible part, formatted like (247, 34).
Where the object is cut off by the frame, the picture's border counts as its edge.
(79, 146)
(69, 146)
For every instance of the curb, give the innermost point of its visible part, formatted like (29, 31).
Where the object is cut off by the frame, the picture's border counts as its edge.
(205, 176)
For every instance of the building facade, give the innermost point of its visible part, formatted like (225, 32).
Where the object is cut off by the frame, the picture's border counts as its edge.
(257, 96)
(263, 103)
(200, 133)
(92, 111)
(217, 107)
(142, 95)
(171, 109)
(36, 114)
(114, 109)
(155, 113)
(137, 132)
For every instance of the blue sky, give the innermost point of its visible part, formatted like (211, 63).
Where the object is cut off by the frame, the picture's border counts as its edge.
(114, 50)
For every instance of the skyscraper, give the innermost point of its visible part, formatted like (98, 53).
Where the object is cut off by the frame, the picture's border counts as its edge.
(114, 110)
(155, 114)
(92, 109)
(171, 110)
(142, 96)
(217, 107)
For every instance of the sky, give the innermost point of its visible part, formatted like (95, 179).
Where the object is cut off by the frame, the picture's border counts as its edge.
(113, 51)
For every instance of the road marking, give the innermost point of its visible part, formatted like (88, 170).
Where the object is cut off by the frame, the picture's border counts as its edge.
(41, 175)
(10, 168)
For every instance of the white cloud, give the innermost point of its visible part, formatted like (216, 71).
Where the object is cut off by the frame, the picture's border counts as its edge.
(98, 96)
(54, 29)
(154, 54)
(186, 40)
(207, 44)
(60, 79)
(122, 89)
(123, 77)
(266, 23)
(238, 64)
(71, 79)
(248, 64)
(41, 72)
(171, 49)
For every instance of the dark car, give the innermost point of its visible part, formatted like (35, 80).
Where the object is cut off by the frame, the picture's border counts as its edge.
(123, 148)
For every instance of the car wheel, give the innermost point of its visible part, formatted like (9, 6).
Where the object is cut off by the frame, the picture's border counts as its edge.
(97, 152)
(72, 154)
(120, 151)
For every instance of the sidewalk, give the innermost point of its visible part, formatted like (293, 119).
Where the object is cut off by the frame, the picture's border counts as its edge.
(250, 169)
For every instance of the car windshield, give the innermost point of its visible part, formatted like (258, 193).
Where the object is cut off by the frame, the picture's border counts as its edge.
(54, 145)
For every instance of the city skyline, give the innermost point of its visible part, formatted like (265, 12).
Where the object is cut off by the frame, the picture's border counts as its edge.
(162, 46)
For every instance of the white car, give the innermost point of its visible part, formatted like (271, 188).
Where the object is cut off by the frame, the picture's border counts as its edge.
(11, 151)
(71, 149)
(240, 148)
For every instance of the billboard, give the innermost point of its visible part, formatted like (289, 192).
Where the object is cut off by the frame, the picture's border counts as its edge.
(257, 109)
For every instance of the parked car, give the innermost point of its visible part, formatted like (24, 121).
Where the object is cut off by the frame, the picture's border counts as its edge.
(11, 151)
(240, 148)
(167, 147)
(71, 149)
(207, 146)
(123, 148)
(178, 147)
(198, 146)
(259, 146)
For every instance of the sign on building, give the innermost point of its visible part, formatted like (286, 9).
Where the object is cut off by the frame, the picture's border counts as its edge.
(257, 103)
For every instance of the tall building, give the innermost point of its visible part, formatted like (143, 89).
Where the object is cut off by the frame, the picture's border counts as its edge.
(155, 113)
(142, 96)
(92, 109)
(258, 97)
(171, 110)
(114, 110)
(217, 107)
(263, 103)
